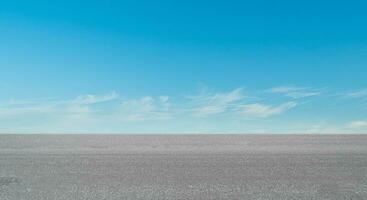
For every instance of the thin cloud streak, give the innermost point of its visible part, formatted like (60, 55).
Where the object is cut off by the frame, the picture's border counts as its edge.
(93, 99)
(79, 105)
(356, 94)
(262, 110)
(295, 92)
(145, 108)
(358, 124)
(207, 104)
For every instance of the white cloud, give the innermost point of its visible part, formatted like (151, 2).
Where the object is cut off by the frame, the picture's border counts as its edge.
(357, 94)
(83, 108)
(164, 99)
(13, 111)
(262, 110)
(145, 108)
(61, 108)
(358, 125)
(215, 103)
(78, 109)
(93, 99)
(295, 92)
(112, 112)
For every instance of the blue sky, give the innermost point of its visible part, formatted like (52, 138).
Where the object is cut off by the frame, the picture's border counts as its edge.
(183, 66)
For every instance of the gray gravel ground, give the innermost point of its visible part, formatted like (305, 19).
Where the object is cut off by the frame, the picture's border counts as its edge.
(56, 167)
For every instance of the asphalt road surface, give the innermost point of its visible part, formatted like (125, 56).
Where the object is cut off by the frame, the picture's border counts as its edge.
(116, 167)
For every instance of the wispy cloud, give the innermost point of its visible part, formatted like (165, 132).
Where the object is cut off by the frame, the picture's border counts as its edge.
(96, 112)
(356, 94)
(208, 103)
(145, 108)
(234, 103)
(79, 105)
(262, 110)
(13, 111)
(295, 92)
(93, 99)
(358, 124)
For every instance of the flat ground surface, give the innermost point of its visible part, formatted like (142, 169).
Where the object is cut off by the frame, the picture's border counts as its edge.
(55, 167)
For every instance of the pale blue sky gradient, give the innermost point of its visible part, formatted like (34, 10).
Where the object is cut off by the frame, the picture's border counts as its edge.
(183, 66)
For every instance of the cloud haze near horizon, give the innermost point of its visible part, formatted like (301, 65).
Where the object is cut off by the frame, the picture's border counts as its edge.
(207, 111)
